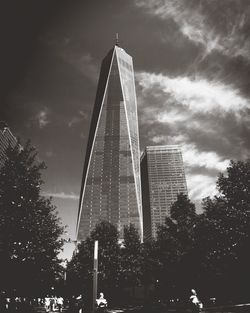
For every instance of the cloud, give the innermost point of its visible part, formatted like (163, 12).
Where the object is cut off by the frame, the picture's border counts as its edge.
(201, 186)
(61, 195)
(77, 119)
(74, 120)
(199, 95)
(42, 118)
(210, 114)
(162, 139)
(192, 157)
(172, 117)
(205, 117)
(200, 23)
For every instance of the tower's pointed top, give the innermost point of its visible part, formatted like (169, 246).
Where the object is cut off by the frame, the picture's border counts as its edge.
(117, 39)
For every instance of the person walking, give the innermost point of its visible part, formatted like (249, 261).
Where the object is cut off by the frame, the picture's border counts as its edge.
(195, 302)
(52, 303)
(60, 303)
(47, 303)
(101, 303)
(79, 303)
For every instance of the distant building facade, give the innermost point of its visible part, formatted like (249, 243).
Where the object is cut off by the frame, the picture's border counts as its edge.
(163, 178)
(6, 139)
(111, 186)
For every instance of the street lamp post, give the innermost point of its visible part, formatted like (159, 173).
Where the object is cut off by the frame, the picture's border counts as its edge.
(95, 274)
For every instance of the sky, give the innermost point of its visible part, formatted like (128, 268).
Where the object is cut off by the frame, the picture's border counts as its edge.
(192, 70)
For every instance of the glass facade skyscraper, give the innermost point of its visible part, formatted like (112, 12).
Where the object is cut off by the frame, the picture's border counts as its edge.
(6, 139)
(111, 187)
(163, 178)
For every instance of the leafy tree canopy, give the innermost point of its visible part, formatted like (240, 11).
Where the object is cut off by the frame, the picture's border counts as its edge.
(30, 229)
(131, 256)
(224, 230)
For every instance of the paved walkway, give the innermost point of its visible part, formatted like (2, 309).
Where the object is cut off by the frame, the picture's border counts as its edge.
(239, 308)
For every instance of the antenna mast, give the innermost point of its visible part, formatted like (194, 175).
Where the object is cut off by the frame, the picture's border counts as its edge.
(117, 39)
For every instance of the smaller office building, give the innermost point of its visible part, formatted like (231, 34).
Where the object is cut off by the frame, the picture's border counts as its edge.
(163, 178)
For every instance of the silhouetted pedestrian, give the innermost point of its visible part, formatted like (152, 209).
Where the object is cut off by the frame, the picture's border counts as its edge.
(195, 302)
(79, 303)
(60, 303)
(47, 303)
(101, 303)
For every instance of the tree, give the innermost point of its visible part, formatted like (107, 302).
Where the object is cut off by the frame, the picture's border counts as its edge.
(30, 229)
(176, 241)
(108, 255)
(80, 269)
(150, 267)
(131, 258)
(226, 223)
(235, 186)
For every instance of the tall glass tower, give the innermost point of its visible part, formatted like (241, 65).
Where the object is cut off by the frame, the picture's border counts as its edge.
(111, 187)
(163, 178)
(6, 139)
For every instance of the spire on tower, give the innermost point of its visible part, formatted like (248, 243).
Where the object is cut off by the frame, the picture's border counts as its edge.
(117, 39)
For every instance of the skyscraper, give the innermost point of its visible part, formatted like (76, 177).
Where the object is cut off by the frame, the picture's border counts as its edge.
(6, 139)
(111, 187)
(163, 177)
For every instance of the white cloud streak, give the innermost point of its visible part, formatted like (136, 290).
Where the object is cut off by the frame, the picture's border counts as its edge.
(198, 95)
(197, 27)
(61, 195)
(192, 157)
(77, 119)
(73, 121)
(162, 139)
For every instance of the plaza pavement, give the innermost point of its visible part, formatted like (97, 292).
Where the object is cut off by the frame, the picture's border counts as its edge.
(239, 308)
